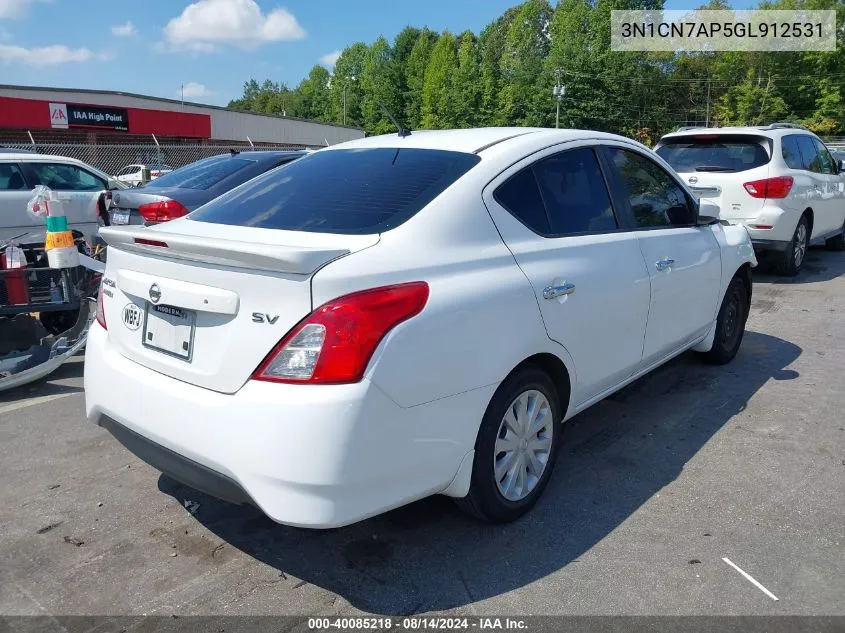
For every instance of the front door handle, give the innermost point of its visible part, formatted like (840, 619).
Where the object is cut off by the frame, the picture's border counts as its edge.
(664, 264)
(553, 292)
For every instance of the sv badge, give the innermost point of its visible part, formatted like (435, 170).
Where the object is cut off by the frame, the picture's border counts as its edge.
(257, 317)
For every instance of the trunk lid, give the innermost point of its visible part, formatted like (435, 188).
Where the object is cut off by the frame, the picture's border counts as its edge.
(205, 303)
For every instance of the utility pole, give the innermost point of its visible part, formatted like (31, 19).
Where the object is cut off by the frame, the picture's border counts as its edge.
(558, 91)
(345, 83)
(707, 122)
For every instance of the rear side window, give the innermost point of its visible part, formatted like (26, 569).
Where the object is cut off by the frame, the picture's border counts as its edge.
(575, 194)
(11, 178)
(791, 152)
(809, 155)
(715, 153)
(520, 195)
(352, 191)
(827, 164)
(202, 174)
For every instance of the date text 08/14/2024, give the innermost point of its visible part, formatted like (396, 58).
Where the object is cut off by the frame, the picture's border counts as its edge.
(416, 624)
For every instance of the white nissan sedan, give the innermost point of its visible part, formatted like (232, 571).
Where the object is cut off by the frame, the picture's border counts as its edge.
(402, 316)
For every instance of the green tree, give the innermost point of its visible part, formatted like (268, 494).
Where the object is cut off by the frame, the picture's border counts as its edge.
(315, 96)
(491, 45)
(437, 107)
(414, 72)
(523, 101)
(465, 89)
(755, 101)
(346, 85)
(380, 86)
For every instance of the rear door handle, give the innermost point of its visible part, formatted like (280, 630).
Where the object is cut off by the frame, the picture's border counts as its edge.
(553, 292)
(664, 264)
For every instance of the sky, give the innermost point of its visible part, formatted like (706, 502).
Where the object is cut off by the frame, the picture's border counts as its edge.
(210, 46)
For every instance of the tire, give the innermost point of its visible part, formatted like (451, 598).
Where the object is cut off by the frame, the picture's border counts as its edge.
(793, 257)
(730, 324)
(836, 243)
(488, 497)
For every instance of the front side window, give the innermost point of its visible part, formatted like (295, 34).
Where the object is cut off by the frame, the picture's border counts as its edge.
(11, 178)
(65, 177)
(656, 199)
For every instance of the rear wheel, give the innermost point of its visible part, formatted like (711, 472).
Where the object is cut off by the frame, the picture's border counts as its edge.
(793, 257)
(730, 324)
(516, 448)
(837, 242)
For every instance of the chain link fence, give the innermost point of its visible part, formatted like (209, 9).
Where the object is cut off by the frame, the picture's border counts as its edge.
(112, 158)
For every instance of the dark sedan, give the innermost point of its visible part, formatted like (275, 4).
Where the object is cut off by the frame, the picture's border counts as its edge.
(182, 190)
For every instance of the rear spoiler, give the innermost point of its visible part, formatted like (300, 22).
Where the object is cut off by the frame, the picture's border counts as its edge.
(301, 260)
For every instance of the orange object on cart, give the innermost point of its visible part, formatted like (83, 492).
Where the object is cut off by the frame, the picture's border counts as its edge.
(17, 286)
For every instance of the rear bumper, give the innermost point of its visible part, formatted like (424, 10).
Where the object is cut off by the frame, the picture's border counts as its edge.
(306, 455)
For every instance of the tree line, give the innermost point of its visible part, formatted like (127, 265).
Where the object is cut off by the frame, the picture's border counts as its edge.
(505, 75)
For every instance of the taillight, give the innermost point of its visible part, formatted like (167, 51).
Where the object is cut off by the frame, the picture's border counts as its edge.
(334, 343)
(778, 187)
(162, 211)
(100, 314)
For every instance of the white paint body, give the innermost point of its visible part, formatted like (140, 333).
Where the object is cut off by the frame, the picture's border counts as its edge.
(329, 455)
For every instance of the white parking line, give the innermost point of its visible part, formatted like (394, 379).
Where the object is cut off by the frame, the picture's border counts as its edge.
(751, 580)
(22, 404)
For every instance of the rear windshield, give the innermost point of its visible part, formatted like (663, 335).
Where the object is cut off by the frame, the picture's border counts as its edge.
(722, 153)
(201, 174)
(352, 191)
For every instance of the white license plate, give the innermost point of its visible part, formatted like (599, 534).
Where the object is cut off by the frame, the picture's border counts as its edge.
(169, 330)
(120, 217)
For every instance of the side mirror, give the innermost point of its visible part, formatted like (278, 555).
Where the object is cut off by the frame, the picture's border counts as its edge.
(708, 213)
(112, 184)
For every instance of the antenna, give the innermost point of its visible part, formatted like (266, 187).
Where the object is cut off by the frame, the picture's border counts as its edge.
(402, 131)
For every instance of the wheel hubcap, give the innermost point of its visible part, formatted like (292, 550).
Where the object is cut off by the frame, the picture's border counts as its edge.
(523, 445)
(800, 243)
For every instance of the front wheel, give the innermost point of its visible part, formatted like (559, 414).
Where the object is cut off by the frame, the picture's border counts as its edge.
(516, 448)
(730, 324)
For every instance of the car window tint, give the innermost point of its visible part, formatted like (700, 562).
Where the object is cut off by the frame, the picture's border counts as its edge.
(656, 199)
(65, 177)
(575, 193)
(826, 162)
(809, 154)
(202, 174)
(714, 153)
(352, 191)
(520, 195)
(791, 152)
(11, 178)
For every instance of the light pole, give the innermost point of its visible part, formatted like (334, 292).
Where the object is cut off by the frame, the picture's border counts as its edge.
(345, 83)
(558, 91)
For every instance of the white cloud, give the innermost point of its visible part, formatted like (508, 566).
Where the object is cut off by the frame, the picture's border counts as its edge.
(330, 59)
(124, 30)
(206, 24)
(47, 55)
(192, 90)
(14, 8)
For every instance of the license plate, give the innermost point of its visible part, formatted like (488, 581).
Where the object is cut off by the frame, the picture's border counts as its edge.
(120, 217)
(169, 330)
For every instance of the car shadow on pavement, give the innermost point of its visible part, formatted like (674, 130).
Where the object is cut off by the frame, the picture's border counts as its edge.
(429, 557)
(819, 265)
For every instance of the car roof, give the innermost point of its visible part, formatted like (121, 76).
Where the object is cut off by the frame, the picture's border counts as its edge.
(474, 140)
(756, 130)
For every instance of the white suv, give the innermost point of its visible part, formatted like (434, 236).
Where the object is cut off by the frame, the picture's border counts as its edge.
(779, 181)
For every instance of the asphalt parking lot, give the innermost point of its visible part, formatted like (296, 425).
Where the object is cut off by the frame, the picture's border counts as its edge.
(654, 488)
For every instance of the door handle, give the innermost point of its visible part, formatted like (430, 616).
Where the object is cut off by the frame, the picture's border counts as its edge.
(553, 292)
(664, 264)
